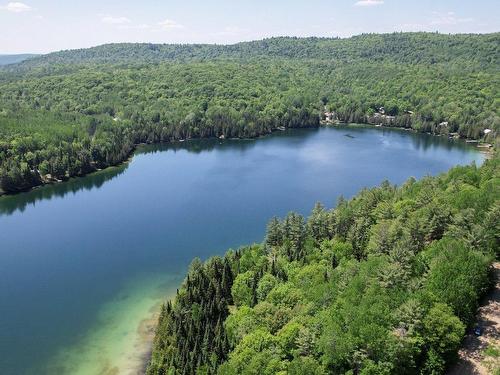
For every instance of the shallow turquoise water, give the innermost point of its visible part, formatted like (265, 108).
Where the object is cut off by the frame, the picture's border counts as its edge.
(83, 262)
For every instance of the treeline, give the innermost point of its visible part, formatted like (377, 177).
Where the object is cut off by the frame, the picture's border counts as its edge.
(438, 99)
(193, 336)
(62, 126)
(385, 283)
(479, 50)
(91, 107)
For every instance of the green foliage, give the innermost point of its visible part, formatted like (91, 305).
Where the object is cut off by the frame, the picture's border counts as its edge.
(69, 113)
(243, 289)
(443, 333)
(266, 284)
(383, 284)
(191, 336)
(492, 351)
(457, 276)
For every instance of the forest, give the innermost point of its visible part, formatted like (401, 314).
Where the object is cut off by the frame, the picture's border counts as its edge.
(384, 283)
(73, 112)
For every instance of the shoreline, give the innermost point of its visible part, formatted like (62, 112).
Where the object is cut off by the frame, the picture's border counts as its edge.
(131, 354)
(152, 322)
(120, 341)
(146, 331)
(488, 152)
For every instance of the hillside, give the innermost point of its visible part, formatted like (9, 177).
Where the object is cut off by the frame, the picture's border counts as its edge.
(408, 48)
(71, 112)
(385, 283)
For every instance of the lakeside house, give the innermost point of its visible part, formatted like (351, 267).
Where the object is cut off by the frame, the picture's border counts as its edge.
(330, 117)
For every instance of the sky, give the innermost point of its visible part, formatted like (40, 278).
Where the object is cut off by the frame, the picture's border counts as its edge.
(41, 26)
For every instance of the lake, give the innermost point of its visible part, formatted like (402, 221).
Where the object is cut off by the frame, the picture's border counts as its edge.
(84, 264)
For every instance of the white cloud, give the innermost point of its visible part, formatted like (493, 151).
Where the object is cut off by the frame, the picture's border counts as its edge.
(115, 20)
(368, 3)
(16, 7)
(449, 18)
(170, 24)
(439, 21)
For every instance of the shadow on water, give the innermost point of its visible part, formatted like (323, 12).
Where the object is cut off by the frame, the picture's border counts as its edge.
(198, 146)
(420, 141)
(424, 142)
(19, 202)
(119, 246)
(9, 204)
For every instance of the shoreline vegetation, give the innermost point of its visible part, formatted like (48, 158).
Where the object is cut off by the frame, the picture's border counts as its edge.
(486, 148)
(387, 282)
(489, 154)
(69, 113)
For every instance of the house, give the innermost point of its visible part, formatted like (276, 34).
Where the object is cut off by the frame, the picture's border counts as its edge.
(444, 123)
(329, 116)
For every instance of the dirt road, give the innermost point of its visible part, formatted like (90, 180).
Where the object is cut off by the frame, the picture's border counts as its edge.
(473, 360)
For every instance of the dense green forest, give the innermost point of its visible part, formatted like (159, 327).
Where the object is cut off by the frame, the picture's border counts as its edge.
(385, 283)
(69, 113)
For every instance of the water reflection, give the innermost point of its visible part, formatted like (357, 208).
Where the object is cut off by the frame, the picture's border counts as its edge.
(190, 199)
(293, 137)
(420, 141)
(12, 203)
(197, 146)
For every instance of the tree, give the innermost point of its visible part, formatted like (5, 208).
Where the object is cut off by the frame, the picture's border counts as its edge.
(242, 289)
(274, 235)
(305, 365)
(457, 276)
(443, 332)
(266, 284)
(317, 226)
(295, 234)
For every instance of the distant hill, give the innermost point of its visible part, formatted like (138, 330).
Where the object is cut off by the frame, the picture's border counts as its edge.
(14, 59)
(411, 48)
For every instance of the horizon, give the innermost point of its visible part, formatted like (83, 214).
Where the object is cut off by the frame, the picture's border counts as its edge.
(44, 26)
(248, 41)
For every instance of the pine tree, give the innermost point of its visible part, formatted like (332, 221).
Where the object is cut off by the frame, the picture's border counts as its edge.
(274, 236)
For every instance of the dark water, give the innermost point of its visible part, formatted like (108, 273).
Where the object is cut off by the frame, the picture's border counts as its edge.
(73, 255)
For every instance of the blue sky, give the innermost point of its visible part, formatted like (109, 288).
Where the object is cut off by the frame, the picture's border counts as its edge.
(48, 25)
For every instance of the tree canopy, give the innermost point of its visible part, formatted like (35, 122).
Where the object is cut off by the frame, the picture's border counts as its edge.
(384, 283)
(69, 113)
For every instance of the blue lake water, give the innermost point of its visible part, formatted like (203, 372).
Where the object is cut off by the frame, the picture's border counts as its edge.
(82, 263)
